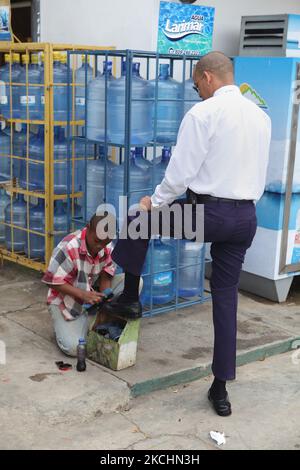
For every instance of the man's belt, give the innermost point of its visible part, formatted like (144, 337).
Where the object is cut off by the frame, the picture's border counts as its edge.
(195, 198)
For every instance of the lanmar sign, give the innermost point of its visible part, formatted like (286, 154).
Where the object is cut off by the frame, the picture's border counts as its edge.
(185, 29)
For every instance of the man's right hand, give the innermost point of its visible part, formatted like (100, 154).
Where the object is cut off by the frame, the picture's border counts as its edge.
(91, 297)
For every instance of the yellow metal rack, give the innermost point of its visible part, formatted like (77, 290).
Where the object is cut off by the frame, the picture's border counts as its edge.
(12, 186)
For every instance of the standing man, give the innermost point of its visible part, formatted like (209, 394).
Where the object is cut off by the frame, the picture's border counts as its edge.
(221, 160)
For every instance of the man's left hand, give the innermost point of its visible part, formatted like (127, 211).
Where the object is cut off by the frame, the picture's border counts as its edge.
(145, 203)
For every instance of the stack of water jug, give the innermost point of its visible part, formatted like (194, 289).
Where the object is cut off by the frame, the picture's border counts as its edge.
(151, 121)
(22, 97)
(173, 268)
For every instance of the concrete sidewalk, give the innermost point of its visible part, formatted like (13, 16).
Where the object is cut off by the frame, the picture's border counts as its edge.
(174, 348)
(266, 409)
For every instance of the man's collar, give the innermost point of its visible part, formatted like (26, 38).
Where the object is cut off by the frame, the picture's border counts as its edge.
(227, 89)
(83, 248)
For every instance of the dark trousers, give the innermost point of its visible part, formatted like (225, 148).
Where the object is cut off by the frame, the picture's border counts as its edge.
(231, 228)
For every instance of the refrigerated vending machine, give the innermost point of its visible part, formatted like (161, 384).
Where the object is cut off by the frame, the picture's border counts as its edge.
(274, 257)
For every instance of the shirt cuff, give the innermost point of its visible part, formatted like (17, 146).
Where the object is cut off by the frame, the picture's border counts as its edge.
(157, 202)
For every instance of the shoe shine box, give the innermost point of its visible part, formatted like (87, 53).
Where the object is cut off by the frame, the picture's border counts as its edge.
(115, 355)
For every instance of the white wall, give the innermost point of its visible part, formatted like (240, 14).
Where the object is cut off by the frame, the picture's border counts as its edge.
(132, 24)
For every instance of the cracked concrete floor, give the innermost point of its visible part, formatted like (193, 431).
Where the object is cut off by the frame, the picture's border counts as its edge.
(266, 413)
(87, 412)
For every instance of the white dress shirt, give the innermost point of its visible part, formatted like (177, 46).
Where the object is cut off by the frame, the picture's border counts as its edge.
(222, 150)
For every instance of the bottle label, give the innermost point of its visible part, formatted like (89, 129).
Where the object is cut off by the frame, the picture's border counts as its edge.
(80, 101)
(27, 99)
(163, 279)
(43, 100)
(3, 100)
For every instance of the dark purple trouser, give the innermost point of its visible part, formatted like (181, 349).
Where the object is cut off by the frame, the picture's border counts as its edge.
(231, 228)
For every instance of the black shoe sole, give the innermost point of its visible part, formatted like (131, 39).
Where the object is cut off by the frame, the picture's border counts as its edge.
(124, 314)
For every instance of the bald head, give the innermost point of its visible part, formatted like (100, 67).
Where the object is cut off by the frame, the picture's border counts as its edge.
(213, 71)
(216, 63)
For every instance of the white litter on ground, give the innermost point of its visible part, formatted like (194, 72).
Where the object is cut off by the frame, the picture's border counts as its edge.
(219, 437)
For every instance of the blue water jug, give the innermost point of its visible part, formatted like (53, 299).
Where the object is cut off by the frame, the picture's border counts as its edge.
(30, 96)
(18, 68)
(16, 214)
(96, 97)
(140, 160)
(4, 87)
(163, 281)
(5, 161)
(95, 188)
(62, 166)
(169, 111)
(83, 76)
(159, 169)
(4, 200)
(76, 211)
(20, 148)
(191, 97)
(10, 73)
(139, 183)
(191, 266)
(60, 89)
(36, 247)
(35, 177)
(60, 222)
(141, 125)
(36, 172)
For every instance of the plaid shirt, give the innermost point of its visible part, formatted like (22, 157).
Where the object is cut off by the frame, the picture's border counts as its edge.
(72, 264)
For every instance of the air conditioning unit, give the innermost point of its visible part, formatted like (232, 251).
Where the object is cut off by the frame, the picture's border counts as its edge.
(270, 35)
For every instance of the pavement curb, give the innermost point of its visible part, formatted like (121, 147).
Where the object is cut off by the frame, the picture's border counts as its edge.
(195, 373)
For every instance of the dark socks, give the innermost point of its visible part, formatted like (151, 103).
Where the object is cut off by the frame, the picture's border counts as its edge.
(218, 389)
(131, 288)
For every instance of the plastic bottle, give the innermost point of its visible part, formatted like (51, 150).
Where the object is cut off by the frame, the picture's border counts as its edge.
(96, 96)
(30, 96)
(18, 218)
(18, 69)
(83, 76)
(96, 183)
(140, 161)
(60, 222)
(163, 281)
(19, 148)
(60, 90)
(81, 355)
(5, 161)
(36, 248)
(42, 70)
(190, 95)
(141, 124)
(77, 214)
(4, 87)
(169, 112)
(139, 182)
(191, 262)
(42, 64)
(4, 200)
(36, 177)
(9, 74)
(160, 168)
(62, 166)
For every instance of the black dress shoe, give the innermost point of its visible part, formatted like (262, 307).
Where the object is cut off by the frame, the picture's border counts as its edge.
(221, 406)
(123, 308)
